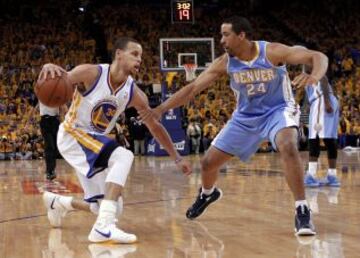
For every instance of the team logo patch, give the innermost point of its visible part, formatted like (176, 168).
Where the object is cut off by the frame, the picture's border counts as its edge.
(102, 114)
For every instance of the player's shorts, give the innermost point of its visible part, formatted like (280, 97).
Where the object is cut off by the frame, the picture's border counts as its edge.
(241, 137)
(88, 154)
(321, 123)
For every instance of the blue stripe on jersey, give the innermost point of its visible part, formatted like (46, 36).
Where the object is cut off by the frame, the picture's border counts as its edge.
(131, 93)
(95, 83)
(259, 86)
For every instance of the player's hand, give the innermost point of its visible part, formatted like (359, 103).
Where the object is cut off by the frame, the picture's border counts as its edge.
(304, 79)
(328, 107)
(52, 69)
(184, 166)
(146, 114)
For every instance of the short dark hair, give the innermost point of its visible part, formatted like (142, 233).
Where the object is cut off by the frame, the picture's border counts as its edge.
(121, 43)
(240, 24)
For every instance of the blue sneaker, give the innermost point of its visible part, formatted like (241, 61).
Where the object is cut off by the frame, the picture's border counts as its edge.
(329, 180)
(311, 181)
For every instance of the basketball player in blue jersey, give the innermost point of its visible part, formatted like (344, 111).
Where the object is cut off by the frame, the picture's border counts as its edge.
(266, 110)
(323, 124)
(103, 92)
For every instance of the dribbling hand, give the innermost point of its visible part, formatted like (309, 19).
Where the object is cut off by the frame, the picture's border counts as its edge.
(52, 69)
(184, 166)
(304, 79)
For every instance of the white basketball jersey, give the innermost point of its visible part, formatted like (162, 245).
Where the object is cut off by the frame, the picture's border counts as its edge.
(97, 109)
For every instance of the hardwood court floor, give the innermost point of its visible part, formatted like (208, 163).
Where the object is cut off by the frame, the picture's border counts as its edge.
(254, 218)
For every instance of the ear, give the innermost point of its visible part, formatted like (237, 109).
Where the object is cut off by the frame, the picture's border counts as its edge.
(118, 52)
(242, 35)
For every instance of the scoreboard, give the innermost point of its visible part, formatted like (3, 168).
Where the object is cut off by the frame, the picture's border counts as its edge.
(182, 11)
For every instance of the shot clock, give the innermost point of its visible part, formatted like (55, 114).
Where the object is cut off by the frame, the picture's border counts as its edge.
(182, 11)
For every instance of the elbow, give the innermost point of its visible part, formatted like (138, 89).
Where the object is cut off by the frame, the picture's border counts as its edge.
(323, 58)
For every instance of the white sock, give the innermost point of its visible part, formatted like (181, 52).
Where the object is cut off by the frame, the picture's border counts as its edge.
(301, 202)
(312, 168)
(331, 171)
(207, 191)
(107, 211)
(66, 202)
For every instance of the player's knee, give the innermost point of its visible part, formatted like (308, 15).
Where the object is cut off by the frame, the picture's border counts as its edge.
(121, 154)
(331, 145)
(314, 148)
(119, 166)
(287, 147)
(205, 164)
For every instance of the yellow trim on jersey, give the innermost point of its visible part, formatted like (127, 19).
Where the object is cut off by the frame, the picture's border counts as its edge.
(74, 107)
(84, 139)
(81, 136)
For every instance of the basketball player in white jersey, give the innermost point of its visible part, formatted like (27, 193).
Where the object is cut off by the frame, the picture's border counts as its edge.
(323, 124)
(266, 110)
(103, 92)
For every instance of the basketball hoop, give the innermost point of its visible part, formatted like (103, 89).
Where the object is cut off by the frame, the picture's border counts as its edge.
(190, 70)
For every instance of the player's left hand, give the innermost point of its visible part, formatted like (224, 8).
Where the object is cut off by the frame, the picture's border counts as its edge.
(304, 79)
(328, 107)
(185, 167)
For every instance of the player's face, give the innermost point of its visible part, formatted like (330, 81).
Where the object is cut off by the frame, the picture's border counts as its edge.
(229, 39)
(131, 57)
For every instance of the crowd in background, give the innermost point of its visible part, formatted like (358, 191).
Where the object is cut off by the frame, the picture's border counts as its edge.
(68, 37)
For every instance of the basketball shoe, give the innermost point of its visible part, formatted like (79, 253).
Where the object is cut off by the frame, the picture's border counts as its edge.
(56, 209)
(105, 230)
(303, 222)
(311, 181)
(50, 175)
(330, 180)
(202, 202)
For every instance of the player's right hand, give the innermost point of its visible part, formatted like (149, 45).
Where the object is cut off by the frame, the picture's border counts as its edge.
(303, 80)
(52, 69)
(145, 114)
(328, 107)
(185, 167)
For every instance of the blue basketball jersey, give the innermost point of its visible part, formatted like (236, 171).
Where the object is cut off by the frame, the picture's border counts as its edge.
(260, 87)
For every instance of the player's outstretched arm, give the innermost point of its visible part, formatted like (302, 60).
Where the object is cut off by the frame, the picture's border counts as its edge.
(140, 102)
(203, 81)
(282, 54)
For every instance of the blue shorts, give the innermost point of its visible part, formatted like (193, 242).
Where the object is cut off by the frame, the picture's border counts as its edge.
(241, 136)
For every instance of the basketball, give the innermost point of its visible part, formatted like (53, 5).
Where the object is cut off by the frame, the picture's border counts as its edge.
(54, 92)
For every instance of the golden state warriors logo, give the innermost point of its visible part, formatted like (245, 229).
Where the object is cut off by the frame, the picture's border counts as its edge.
(102, 114)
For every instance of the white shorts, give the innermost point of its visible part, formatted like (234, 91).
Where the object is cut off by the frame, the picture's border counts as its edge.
(82, 150)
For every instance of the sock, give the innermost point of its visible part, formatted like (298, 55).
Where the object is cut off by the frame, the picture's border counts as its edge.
(107, 211)
(207, 191)
(312, 168)
(301, 202)
(66, 202)
(331, 171)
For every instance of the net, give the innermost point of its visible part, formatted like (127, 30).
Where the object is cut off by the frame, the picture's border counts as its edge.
(190, 70)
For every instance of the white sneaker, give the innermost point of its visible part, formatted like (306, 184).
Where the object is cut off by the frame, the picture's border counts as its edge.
(103, 251)
(55, 210)
(104, 231)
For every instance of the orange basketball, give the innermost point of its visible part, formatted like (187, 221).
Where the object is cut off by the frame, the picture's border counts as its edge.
(54, 92)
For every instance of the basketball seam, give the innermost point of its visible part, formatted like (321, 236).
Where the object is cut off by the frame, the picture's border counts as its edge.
(54, 90)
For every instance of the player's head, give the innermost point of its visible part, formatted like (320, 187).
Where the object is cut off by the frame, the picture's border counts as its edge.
(234, 30)
(127, 52)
